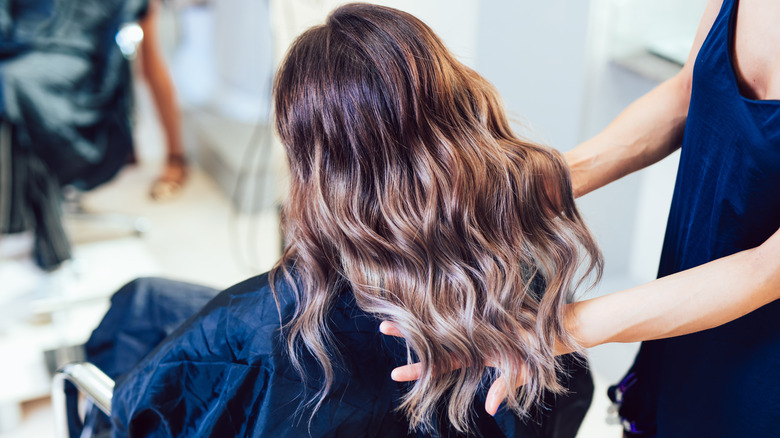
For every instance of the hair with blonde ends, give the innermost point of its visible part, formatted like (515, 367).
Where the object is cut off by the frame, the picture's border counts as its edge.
(409, 186)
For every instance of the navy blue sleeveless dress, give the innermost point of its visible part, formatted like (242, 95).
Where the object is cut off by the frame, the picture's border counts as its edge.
(723, 382)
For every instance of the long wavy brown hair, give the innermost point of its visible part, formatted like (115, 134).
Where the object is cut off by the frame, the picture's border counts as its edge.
(408, 184)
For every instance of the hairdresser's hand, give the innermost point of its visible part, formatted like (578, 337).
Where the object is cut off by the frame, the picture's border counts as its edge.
(407, 373)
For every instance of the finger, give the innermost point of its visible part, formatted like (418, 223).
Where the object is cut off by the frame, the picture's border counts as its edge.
(388, 328)
(407, 373)
(495, 396)
(414, 371)
(499, 391)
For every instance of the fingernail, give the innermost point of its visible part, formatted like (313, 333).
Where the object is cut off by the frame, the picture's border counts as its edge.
(393, 375)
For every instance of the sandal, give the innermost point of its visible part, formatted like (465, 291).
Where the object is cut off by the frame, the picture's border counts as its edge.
(169, 185)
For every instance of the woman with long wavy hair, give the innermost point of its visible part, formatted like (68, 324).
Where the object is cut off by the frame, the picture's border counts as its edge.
(410, 200)
(408, 184)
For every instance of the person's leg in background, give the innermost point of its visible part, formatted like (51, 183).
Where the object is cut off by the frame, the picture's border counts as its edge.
(155, 71)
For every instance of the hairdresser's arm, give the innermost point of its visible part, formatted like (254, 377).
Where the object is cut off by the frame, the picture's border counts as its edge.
(647, 131)
(689, 301)
(697, 299)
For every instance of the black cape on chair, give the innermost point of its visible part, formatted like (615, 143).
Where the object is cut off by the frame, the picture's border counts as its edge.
(66, 86)
(224, 373)
(65, 103)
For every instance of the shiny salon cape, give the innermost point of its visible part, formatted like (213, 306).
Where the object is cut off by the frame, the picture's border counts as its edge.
(224, 373)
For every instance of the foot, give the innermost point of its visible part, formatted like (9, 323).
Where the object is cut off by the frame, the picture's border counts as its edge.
(170, 183)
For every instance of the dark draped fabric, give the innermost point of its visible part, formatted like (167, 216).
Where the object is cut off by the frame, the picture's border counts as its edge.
(65, 89)
(224, 373)
(142, 314)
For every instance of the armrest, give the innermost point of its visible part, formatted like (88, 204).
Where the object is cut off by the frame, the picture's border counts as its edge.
(95, 384)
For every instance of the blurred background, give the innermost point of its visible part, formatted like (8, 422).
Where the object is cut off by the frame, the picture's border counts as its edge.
(565, 69)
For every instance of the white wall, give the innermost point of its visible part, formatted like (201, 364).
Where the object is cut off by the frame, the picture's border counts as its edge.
(534, 53)
(243, 51)
(455, 21)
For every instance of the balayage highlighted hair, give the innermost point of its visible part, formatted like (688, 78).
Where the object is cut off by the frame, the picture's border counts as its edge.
(408, 185)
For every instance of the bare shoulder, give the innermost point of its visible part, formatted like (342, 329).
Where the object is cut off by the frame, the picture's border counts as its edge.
(755, 41)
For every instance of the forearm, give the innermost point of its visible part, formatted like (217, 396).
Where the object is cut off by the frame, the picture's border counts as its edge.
(697, 299)
(647, 131)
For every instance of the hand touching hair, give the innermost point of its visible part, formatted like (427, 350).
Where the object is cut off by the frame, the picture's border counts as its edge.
(408, 185)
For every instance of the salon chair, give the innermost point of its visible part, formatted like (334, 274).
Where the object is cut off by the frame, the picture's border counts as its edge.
(142, 314)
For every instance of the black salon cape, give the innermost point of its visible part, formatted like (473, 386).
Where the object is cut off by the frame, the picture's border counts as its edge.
(65, 85)
(65, 93)
(224, 373)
